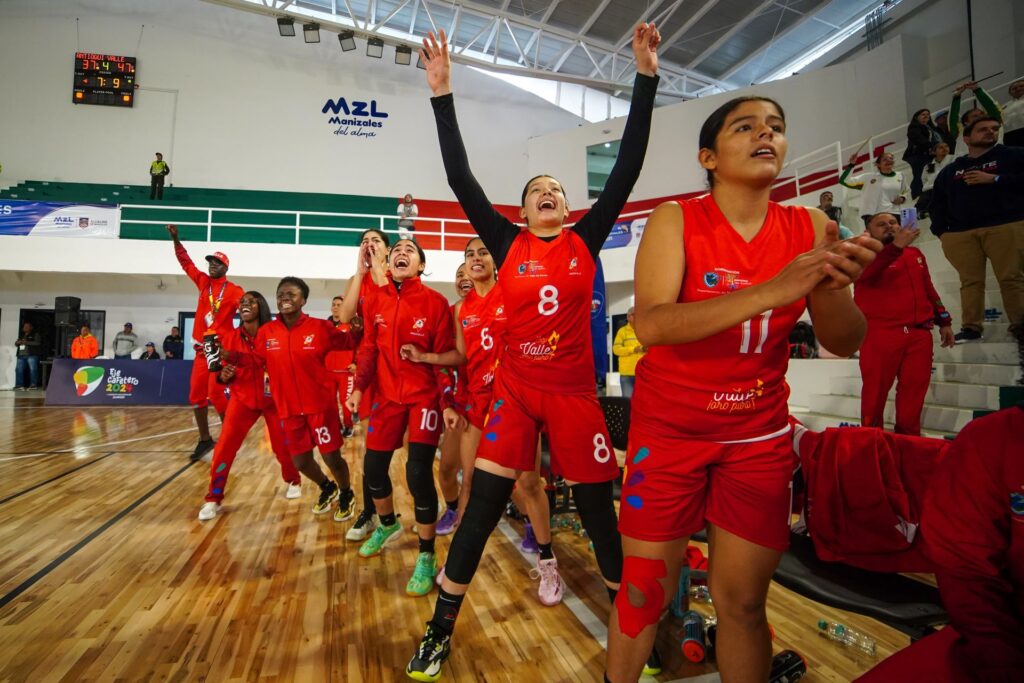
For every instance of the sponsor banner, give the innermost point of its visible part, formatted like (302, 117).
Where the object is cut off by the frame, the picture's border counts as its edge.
(349, 118)
(118, 382)
(56, 219)
(626, 233)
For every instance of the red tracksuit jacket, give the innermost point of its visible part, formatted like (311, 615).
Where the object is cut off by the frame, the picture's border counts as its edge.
(414, 314)
(865, 491)
(221, 293)
(896, 290)
(973, 525)
(249, 385)
(294, 359)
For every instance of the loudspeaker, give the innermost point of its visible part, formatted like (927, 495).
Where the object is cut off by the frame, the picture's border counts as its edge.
(66, 310)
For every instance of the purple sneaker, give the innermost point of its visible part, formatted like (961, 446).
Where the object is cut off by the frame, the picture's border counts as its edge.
(529, 544)
(447, 523)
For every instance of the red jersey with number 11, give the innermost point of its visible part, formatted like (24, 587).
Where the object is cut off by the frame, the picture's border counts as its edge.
(482, 319)
(548, 287)
(730, 386)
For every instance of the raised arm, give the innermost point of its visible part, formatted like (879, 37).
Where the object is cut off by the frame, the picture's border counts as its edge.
(597, 224)
(197, 276)
(495, 230)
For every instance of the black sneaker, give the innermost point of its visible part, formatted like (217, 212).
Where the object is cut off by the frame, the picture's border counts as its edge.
(434, 649)
(967, 335)
(347, 432)
(328, 494)
(202, 448)
(653, 665)
(346, 506)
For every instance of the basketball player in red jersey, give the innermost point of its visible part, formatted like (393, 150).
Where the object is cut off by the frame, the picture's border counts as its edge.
(547, 369)
(250, 398)
(371, 273)
(455, 427)
(479, 338)
(407, 396)
(342, 366)
(292, 348)
(218, 301)
(720, 282)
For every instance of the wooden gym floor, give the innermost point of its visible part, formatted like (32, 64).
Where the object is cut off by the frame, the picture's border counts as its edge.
(107, 575)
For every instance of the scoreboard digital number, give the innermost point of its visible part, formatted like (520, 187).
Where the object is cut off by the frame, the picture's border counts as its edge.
(104, 79)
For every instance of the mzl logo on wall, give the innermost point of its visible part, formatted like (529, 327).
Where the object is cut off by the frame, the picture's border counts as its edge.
(353, 118)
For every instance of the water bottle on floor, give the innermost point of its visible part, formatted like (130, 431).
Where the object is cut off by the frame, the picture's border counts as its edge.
(680, 601)
(846, 636)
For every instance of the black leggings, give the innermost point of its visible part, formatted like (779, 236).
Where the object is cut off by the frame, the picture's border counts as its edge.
(419, 476)
(487, 500)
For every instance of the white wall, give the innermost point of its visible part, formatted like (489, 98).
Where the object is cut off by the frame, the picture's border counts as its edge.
(821, 107)
(245, 111)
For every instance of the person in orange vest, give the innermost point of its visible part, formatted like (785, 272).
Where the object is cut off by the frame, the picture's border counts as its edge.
(85, 345)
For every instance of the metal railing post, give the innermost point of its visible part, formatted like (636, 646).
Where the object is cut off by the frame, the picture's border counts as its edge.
(442, 234)
(298, 222)
(209, 225)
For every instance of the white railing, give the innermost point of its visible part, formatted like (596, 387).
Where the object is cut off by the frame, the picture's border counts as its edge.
(386, 223)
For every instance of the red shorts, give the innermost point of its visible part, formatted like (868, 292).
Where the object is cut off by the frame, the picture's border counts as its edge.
(475, 407)
(204, 388)
(388, 422)
(303, 432)
(672, 487)
(580, 448)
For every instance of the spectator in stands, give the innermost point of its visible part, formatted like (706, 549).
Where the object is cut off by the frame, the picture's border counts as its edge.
(28, 346)
(407, 212)
(150, 352)
(922, 135)
(1013, 116)
(835, 213)
(958, 122)
(941, 158)
(978, 214)
(85, 345)
(158, 170)
(629, 350)
(174, 345)
(883, 190)
(125, 342)
(901, 306)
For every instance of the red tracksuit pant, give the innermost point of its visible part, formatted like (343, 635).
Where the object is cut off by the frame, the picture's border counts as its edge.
(902, 354)
(238, 420)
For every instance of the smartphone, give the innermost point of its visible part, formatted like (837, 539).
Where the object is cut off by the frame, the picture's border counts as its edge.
(908, 218)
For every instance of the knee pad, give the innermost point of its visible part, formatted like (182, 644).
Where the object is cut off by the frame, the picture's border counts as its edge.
(641, 597)
(597, 513)
(419, 476)
(486, 504)
(375, 471)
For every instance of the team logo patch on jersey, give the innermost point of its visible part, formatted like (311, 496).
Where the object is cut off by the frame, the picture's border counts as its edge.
(531, 268)
(722, 278)
(540, 349)
(1017, 505)
(574, 263)
(273, 344)
(711, 279)
(737, 399)
(471, 321)
(309, 339)
(419, 323)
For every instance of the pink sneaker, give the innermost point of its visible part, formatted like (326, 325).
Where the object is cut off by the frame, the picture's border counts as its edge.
(440, 576)
(550, 589)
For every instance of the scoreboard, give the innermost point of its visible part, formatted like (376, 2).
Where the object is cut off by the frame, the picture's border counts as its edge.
(104, 79)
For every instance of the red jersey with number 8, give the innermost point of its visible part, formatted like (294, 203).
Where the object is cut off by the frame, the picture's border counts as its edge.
(730, 386)
(483, 322)
(548, 287)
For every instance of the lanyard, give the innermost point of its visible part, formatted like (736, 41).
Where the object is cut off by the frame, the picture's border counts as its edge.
(215, 305)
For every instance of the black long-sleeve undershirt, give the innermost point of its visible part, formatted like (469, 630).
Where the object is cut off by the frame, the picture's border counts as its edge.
(496, 231)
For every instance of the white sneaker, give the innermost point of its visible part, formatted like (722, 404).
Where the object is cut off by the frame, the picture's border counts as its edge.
(365, 523)
(294, 491)
(550, 589)
(208, 511)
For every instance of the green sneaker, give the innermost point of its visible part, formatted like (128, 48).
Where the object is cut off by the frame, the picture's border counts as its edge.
(381, 536)
(423, 576)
